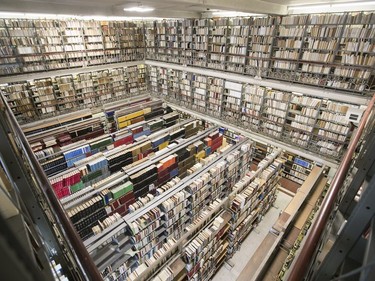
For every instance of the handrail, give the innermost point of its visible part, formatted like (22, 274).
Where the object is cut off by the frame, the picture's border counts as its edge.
(85, 263)
(298, 271)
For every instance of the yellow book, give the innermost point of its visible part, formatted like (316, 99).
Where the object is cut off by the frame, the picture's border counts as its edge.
(163, 145)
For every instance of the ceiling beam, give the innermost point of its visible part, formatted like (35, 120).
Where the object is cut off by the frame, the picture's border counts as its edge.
(53, 8)
(249, 6)
(86, 10)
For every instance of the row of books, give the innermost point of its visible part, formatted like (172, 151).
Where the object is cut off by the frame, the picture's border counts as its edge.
(303, 50)
(76, 151)
(52, 93)
(266, 204)
(140, 183)
(177, 208)
(86, 153)
(174, 214)
(269, 110)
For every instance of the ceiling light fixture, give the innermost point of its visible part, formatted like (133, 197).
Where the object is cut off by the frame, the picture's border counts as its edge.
(233, 14)
(353, 4)
(330, 7)
(139, 9)
(80, 17)
(304, 7)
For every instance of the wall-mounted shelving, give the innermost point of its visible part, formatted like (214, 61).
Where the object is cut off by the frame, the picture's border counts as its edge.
(20, 100)
(252, 106)
(41, 98)
(287, 116)
(317, 49)
(34, 45)
(296, 168)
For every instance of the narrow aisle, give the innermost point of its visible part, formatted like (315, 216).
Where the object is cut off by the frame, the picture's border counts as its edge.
(251, 243)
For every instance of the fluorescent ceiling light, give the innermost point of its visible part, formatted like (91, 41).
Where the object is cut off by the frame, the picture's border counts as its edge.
(61, 16)
(233, 14)
(32, 15)
(353, 4)
(304, 7)
(298, 94)
(139, 9)
(330, 6)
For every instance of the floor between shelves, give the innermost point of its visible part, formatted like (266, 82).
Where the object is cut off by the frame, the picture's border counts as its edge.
(251, 243)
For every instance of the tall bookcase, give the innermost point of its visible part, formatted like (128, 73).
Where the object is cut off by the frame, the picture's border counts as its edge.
(288, 40)
(275, 110)
(217, 43)
(93, 38)
(20, 100)
(200, 42)
(187, 41)
(324, 50)
(41, 98)
(260, 42)
(74, 43)
(215, 89)
(237, 42)
(34, 45)
(173, 40)
(301, 119)
(318, 125)
(199, 86)
(252, 106)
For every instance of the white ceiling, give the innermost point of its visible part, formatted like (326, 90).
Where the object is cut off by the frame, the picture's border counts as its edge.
(163, 8)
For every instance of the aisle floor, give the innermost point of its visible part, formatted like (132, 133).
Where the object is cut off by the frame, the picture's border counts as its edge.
(251, 243)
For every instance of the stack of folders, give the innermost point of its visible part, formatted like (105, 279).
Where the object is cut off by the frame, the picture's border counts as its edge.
(180, 133)
(145, 224)
(121, 198)
(76, 154)
(123, 138)
(61, 183)
(144, 181)
(170, 119)
(167, 186)
(118, 160)
(197, 253)
(191, 129)
(86, 214)
(167, 168)
(156, 125)
(107, 222)
(142, 201)
(55, 165)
